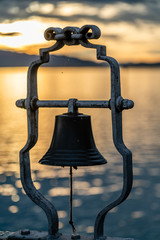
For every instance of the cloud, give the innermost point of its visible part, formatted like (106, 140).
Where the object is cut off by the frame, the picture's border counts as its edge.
(102, 10)
(112, 36)
(36, 7)
(154, 52)
(129, 27)
(10, 34)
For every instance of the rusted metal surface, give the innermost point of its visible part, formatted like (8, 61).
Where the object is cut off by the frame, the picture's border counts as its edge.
(121, 104)
(74, 36)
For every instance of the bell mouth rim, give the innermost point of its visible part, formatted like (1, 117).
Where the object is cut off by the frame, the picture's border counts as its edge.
(89, 157)
(73, 164)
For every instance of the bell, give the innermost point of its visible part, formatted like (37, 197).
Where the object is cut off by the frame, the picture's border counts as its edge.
(72, 143)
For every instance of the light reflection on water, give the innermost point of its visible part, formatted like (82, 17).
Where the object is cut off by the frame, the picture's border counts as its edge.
(139, 216)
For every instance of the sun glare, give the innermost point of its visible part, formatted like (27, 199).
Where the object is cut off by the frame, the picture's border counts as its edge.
(31, 32)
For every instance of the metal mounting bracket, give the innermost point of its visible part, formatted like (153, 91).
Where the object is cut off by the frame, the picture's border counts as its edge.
(74, 36)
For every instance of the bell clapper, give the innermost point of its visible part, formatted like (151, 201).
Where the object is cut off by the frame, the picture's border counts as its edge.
(74, 235)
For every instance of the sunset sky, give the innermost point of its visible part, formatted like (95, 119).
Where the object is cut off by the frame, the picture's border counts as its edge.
(130, 29)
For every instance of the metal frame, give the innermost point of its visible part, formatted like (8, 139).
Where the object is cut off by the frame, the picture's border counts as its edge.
(74, 36)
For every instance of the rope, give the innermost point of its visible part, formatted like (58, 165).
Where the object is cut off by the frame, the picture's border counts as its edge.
(71, 203)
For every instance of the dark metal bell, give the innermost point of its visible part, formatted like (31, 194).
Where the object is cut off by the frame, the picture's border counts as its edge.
(73, 143)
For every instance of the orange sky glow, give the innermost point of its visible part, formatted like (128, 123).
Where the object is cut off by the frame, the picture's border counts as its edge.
(127, 41)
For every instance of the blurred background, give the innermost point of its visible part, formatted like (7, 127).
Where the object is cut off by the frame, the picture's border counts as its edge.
(130, 30)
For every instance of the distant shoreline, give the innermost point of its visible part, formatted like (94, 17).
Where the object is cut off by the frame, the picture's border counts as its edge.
(95, 66)
(14, 59)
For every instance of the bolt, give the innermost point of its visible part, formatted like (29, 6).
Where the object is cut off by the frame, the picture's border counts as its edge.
(20, 103)
(127, 104)
(25, 232)
(122, 104)
(102, 237)
(75, 236)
